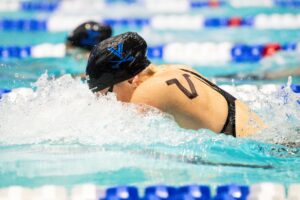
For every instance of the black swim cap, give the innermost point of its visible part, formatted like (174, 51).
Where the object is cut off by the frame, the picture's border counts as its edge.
(116, 59)
(88, 34)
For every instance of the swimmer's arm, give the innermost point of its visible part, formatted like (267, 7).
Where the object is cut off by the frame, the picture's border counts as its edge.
(249, 122)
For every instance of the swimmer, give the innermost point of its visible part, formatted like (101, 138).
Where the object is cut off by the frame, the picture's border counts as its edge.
(82, 39)
(119, 64)
(282, 74)
(274, 75)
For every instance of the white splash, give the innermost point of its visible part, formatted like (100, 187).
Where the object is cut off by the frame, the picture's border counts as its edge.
(277, 106)
(64, 111)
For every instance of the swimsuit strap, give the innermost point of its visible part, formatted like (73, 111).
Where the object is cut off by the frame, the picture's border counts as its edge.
(229, 126)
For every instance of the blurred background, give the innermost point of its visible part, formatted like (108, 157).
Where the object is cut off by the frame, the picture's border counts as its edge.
(225, 39)
(57, 133)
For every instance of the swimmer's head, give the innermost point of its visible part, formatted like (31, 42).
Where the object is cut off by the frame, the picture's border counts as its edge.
(115, 60)
(88, 34)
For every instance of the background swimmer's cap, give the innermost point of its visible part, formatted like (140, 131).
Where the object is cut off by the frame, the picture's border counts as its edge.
(116, 59)
(89, 34)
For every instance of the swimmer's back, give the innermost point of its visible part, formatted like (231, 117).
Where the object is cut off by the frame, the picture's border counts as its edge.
(191, 109)
(192, 102)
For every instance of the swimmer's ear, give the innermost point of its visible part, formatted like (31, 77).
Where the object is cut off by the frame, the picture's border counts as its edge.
(140, 78)
(136, 81)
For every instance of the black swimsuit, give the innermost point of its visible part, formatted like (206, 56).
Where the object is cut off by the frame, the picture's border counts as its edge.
(229, 126)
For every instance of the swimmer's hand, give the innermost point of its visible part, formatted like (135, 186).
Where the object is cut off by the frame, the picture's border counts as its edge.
(81, 75)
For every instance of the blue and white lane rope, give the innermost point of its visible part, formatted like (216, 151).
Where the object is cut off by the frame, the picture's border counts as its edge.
(39, 6)
(150, 5)
(258, 191)
(58, 23)
(189, 53)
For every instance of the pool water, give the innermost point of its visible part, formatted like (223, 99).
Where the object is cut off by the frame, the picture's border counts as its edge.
(62, 134)
(55, 131)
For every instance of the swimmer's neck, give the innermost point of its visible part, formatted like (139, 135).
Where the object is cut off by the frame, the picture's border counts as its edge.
(144, 75)
(152, 70)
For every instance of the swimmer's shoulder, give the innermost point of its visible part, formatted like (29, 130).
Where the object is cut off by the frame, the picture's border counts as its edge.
(170, 67)
(152, 92)
(156, 90)
(175, 69)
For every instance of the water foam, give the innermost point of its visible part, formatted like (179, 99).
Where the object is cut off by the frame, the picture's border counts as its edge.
(60, 129)
(277, 106)
(64, 110)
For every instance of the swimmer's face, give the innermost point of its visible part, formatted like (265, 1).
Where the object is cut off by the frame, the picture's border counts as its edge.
(122, 90)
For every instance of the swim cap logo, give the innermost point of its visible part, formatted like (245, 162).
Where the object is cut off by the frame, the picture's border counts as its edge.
(119, 53)
(91, 38)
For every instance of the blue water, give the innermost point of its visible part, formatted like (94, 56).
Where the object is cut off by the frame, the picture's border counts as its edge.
(57, 132)
(62, 134)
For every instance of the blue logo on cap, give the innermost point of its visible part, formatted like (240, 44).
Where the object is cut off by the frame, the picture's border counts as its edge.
(119, 53)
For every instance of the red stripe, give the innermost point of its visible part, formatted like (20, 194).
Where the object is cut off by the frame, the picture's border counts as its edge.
(235, 21)
(271, 49)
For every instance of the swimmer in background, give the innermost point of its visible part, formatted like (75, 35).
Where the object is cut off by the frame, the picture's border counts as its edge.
(281, 74)
(120, 65)
(82, 39)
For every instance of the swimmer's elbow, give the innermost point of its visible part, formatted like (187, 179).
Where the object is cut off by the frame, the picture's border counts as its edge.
(254, 126)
